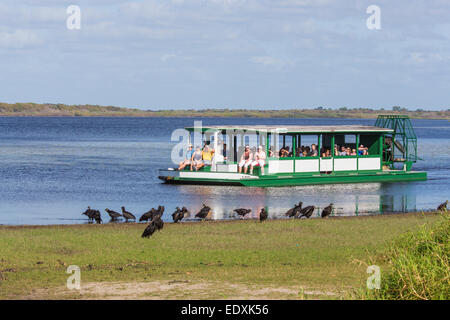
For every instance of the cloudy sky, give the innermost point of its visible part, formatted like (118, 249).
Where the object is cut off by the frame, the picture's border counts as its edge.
(227, 53)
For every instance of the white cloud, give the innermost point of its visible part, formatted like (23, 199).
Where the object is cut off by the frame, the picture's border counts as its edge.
(19, 39)
(167, 57)
(269, 61)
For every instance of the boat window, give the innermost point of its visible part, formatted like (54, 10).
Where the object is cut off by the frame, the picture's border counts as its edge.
(345, 145)
(287, 145)
(307, 145)
(242, 139)
(370, 143)
(326, 149)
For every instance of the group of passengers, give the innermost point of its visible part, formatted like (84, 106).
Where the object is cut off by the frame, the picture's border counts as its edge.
(303, 151)
(347, 151)
(306, 151)
(252, 158)
(198, 158)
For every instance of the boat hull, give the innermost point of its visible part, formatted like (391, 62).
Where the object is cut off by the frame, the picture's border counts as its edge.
(298, 180)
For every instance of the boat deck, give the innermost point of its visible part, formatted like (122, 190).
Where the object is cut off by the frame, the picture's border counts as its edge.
(289, 179)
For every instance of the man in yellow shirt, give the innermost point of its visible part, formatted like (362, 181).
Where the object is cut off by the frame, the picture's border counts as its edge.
(207, 155)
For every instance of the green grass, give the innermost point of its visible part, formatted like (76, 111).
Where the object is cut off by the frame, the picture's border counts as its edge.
(419, 265)
(319, 254)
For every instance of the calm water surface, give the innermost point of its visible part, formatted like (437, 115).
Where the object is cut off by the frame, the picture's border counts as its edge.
(53, 168)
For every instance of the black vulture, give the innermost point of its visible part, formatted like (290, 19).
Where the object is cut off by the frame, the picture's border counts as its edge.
(263, 214)
(149, 230)
(159, 224)
(443, 206)
(148, 215)
(307, 211)
(97, 216)
(158, 213)
(177, 215)
(127, 215)
(327, 211)
(186, 212)
(89, 213)
(294, 211)
(298, 210)
(242, 212)
(203, 213)
(113, 214)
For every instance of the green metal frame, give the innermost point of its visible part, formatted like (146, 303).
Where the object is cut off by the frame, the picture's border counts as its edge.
(403, 137)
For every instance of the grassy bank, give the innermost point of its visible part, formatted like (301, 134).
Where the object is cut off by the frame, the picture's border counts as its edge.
(35, 109)
(290, 259)
(419, 265)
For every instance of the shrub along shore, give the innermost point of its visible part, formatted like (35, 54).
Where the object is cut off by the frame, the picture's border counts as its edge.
(47, 109)
(276, 259)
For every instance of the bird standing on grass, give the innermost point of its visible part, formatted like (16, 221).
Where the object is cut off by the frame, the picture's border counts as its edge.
(293, 212)
(307, 211)
(186, 212)
(148, 215)
(156, 224)
(263, 214)
(159, 212)
(159, 224)
(113, 214)
(204, 212)
(443, 206)
(327, 211)
(177, 215)
(127, 215)
(89, 213)
(97, 216)
(149, 230)
(242, 212)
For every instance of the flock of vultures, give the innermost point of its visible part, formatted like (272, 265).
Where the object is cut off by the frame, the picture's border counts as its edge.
(155, 223)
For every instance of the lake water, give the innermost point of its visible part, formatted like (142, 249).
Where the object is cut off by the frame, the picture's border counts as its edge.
(51, 169)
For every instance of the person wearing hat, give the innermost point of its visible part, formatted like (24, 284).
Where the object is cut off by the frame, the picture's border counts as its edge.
(246, 159)
(187, 158)
(259, 160)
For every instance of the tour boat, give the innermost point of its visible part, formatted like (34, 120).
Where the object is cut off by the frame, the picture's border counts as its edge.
(385, 152)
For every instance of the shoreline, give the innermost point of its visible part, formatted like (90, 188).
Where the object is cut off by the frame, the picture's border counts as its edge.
(211, 221)
(62, 110)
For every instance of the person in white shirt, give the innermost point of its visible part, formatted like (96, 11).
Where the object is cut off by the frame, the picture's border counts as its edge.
(259, 159)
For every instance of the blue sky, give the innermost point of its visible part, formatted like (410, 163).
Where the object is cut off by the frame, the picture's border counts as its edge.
(158, 54)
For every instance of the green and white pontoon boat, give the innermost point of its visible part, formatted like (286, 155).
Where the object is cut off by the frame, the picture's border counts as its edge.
(391, 150)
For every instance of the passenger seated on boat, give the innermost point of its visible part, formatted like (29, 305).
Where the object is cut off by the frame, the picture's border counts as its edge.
(313, 152)
(343, 151)
(259, 160)
(246, 159)
(187, 158)
(336, 150)
(287, 152)
(353, 152)
(196, 159)
(324, 152)
(349, 151)
(207, 155)
(307, 150)
(271, 152)
(363, 151)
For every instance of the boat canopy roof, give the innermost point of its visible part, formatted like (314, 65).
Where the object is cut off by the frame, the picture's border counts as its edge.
(296, 129)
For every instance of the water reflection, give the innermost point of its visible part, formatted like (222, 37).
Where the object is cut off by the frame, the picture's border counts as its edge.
(348, 199)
